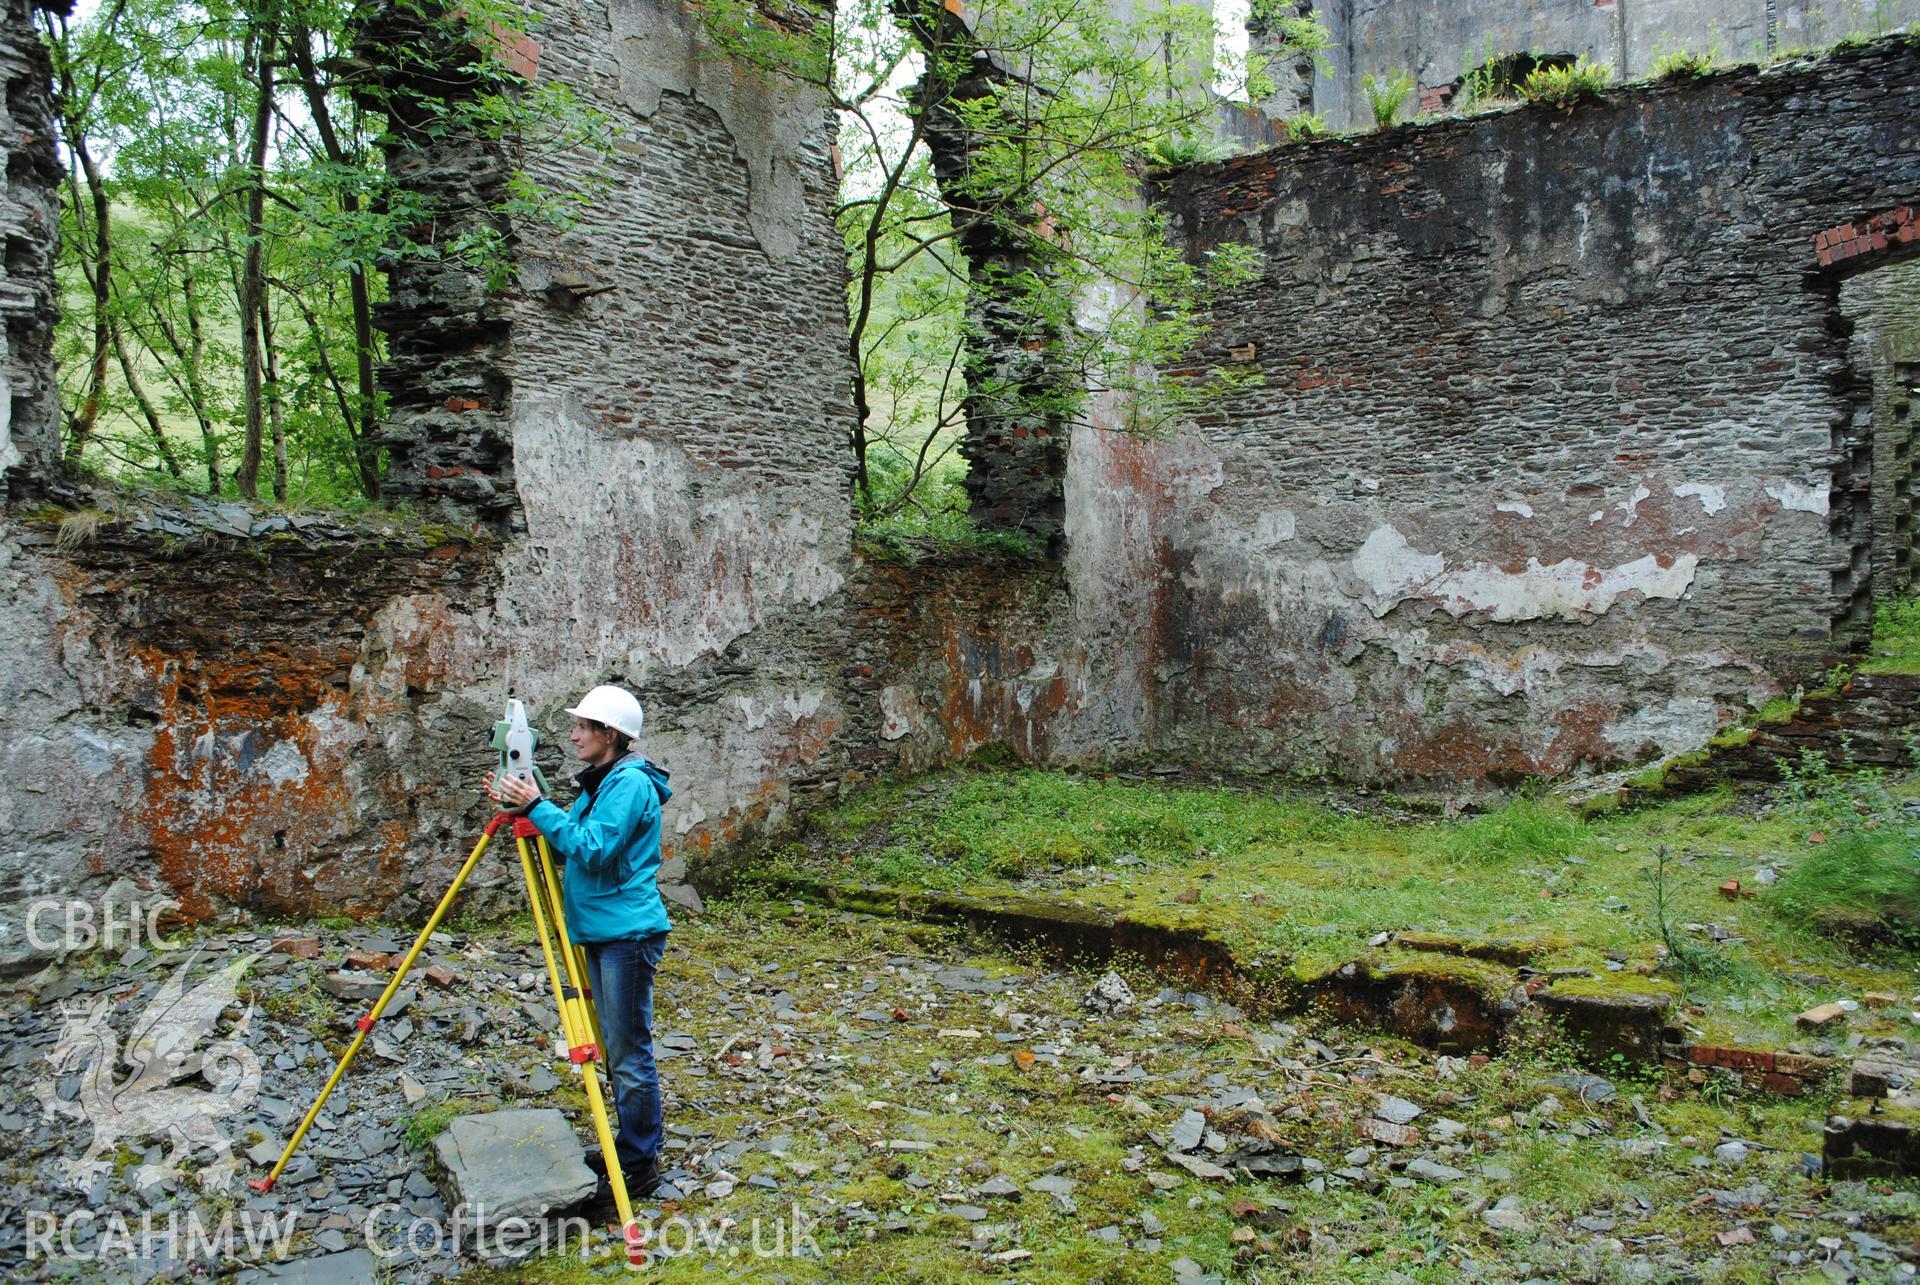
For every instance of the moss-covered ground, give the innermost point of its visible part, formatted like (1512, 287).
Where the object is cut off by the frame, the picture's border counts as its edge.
(993, 1092)
(1306, 883)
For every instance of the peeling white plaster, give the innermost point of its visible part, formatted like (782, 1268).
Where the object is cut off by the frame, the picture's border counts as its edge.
(1596, 516)
(798, 706)
(1805, 499)
(1394, 571)
(1520, 507)
(899, 711)
(695, 560)
(1681, 723)
(284, 764)
(756, 718)
(1193, 483)
(1712, 498)
(690, 816)
(656, 51)
(1274, 527)
(1631, 505)
(802, 705)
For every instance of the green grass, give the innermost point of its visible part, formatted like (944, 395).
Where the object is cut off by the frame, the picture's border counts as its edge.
(1525, 830)
(432, 1119)
(1860, 878)
(1006, 825)
(1294, 885)
(1896, 639)
(1864, 882)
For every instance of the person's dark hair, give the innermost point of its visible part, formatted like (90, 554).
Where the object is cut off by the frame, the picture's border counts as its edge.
(621, 741)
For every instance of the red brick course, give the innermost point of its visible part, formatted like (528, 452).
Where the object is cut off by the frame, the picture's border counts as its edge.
(1850, 240)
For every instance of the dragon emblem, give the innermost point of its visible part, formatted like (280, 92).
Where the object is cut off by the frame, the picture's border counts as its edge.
(162, 1048)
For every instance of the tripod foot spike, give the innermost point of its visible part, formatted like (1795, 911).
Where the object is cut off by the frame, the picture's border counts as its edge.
(261, 1185)
(636, 1238)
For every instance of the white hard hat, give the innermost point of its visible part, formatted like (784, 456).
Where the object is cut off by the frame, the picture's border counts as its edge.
(615, 706)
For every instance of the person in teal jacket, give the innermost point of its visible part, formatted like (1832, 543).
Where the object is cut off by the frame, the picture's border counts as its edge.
(609, 845)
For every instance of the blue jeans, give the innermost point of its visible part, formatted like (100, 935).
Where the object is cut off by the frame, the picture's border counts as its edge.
(621, 974)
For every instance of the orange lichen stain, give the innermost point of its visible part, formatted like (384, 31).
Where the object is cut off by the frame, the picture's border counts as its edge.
(1460, 751)
(414, 648)
(1580, 740)
(808, 742)
(213, 823)
(1142, 467)
(981, 697)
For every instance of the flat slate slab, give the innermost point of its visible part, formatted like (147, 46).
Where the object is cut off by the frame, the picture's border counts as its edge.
(351, 1267)
(512, 1164)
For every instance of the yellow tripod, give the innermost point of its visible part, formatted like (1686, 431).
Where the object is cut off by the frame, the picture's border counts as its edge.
(566, 970)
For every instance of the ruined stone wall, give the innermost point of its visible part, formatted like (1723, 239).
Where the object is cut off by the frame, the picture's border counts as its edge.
(1543, 473)
(1549, 466)
(680, 437)
(1436, 41)
(29, 219)
(270, 718)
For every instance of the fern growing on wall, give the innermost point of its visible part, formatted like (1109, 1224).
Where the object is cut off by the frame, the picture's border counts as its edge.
(1565, 86)
(1386, 95)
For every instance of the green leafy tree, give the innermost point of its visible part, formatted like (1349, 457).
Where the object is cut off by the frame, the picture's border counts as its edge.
(230, 211)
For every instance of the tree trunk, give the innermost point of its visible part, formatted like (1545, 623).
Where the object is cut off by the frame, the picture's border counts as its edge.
(276, 413)
(196, 391)
(366, 454)
(97, 272)
(1015, 440)
(144, 401)
(253, 272)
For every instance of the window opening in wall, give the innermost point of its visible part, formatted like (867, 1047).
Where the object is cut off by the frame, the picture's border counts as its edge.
(1008, 285)
(1873, 501)
(1497, 79)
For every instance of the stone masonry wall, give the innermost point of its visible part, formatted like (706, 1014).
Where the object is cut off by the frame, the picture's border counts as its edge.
(232, 710)
(29, 220)
(1437, 41)
(660, 481)
(252, 713)
(1550, 466)
(448, 446)
(680, 438)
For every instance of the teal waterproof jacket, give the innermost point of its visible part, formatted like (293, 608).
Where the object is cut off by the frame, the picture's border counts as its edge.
(609, 841)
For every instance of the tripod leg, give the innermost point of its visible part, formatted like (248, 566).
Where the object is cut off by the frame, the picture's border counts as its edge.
(544, 911)
(573, 1021)
(549, 875)
(365, 1024)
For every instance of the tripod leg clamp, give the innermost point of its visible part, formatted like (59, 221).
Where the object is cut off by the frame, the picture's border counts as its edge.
(581, 1054)
(365, 1023)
